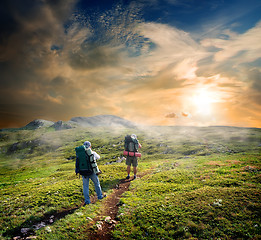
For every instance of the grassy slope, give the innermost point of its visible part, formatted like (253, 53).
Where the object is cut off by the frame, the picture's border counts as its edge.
(205, 183)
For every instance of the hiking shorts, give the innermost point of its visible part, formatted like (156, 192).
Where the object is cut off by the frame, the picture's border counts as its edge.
(132, 161)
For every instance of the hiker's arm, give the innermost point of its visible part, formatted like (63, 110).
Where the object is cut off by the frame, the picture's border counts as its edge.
(139, 145)
(96, 155)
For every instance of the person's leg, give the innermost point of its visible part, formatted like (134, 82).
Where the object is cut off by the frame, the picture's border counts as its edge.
(135, 164)
(135, 171)
(97, 185)
(128, 169)
(128, 163)
(85, 181)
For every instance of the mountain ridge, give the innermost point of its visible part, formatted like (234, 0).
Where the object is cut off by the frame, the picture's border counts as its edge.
(103, 120)
(93, 121)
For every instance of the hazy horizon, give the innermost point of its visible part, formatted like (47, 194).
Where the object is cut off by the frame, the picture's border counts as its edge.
(138, 124)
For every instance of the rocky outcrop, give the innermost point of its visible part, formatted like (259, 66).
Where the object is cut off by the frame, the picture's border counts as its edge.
(60, 125)
(38, 123)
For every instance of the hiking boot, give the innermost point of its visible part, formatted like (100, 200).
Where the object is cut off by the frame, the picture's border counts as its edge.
(128, 177)
(103, 196)
(134, 177)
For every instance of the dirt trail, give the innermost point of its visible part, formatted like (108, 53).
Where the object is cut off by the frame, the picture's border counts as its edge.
(106, 220)
(111, 207)
(110, 210)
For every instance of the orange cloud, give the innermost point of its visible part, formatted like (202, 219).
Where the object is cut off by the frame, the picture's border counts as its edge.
(171, 115)
(185, 114)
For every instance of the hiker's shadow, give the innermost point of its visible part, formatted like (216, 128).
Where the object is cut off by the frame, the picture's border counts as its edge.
(32, 223)
(124, 180)
(112, 184)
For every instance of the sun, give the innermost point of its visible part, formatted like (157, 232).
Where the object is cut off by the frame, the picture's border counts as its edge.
(202, 101)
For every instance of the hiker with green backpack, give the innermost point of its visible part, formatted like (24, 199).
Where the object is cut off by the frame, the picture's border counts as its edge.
(87, 167)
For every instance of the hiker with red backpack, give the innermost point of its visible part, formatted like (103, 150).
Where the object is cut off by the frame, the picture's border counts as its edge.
(131, 147)
(87, 167)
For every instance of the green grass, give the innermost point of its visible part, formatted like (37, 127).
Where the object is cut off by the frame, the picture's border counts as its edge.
(201, 183)
(203, 202)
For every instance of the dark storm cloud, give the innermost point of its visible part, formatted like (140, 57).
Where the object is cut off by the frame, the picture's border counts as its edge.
(15, 76)
(28, 29)
(36, 17)
(61, 9)
(7, 21)
(58, 81)
(34, 26)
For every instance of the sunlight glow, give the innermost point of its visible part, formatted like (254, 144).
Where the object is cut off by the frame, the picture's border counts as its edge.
(202, 101)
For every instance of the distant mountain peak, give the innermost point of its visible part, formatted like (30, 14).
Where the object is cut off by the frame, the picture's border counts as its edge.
(38, 123)
(94, 121)
(103, 120)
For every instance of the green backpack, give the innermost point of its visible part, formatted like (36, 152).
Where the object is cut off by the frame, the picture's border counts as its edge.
(85, 160)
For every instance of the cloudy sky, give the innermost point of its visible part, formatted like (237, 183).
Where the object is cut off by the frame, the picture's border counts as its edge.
(164, 62)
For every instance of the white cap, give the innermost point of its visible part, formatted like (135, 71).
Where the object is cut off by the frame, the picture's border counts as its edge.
(133, 136)
(87, 144)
